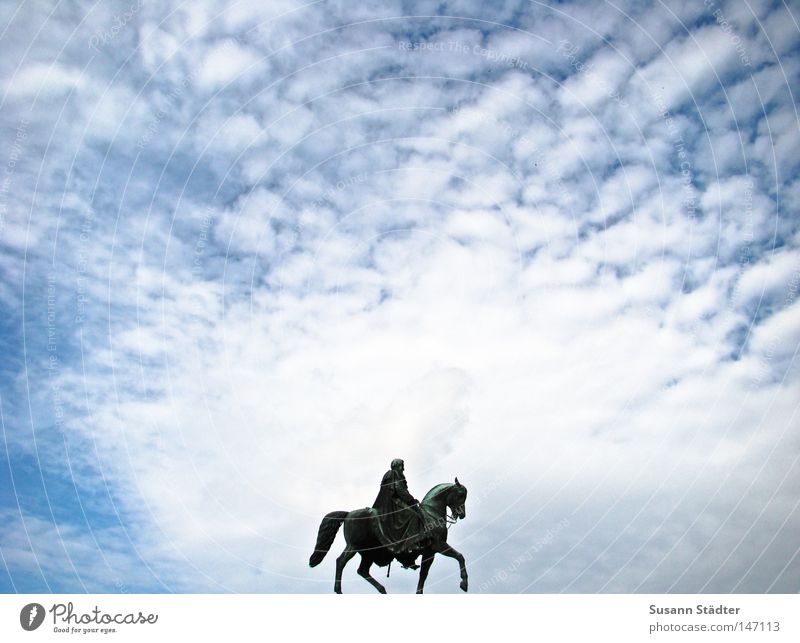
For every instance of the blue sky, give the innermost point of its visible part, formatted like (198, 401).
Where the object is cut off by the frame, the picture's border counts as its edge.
(251, 252)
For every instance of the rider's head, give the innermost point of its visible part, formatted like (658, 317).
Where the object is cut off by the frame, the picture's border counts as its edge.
(398, 465)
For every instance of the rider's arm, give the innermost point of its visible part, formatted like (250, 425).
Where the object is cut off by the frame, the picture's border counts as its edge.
(401, 491)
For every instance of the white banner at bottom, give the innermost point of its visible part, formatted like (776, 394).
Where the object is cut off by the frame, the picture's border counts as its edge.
(156, 617)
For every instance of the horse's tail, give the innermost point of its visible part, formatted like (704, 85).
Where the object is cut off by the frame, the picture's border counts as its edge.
(327, 532)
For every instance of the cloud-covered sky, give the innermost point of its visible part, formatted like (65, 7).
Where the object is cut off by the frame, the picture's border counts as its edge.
(252, 251)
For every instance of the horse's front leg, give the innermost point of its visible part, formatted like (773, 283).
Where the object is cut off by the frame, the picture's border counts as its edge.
(447, 550)
(427, 561)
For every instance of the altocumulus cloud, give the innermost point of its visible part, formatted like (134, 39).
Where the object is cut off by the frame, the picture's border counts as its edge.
(254, 251)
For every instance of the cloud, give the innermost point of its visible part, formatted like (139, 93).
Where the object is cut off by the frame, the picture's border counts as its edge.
(40, 78)
(253, 254)
(224, 62)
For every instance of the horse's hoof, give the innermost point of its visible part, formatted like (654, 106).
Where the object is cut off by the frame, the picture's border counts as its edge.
(419, 591)
(382, 590)
(464, 585)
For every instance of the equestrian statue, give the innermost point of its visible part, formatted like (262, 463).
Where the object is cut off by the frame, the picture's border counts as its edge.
(397, 526)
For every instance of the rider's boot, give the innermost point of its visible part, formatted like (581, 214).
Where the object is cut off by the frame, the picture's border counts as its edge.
(408, 560)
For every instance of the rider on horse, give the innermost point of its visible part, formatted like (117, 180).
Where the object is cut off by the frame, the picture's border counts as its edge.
(400, 516)
(394, 528)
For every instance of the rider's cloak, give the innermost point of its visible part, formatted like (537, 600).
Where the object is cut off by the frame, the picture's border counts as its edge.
(399, 521)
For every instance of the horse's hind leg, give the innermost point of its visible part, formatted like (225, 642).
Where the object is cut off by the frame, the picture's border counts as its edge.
(341, 561)
(363, 571)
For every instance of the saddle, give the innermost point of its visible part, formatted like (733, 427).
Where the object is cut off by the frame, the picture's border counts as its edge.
(390, 544)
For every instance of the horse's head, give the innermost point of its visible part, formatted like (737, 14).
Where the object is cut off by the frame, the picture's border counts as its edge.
(456, 500)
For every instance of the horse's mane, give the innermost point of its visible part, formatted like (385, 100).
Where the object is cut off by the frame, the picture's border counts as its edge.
(437, 490)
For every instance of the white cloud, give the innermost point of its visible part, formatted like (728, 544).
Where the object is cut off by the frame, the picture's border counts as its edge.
(343, 252)
(224, 62)
(44, 79)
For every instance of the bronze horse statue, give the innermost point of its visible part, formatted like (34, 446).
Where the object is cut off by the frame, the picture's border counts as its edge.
(361, 537)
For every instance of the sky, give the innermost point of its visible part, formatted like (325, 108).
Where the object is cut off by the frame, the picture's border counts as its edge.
(250, 252)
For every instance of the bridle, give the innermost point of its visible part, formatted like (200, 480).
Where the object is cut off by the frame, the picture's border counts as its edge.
(451, 519)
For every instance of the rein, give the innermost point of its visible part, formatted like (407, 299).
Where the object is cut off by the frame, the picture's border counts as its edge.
(450, 520)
